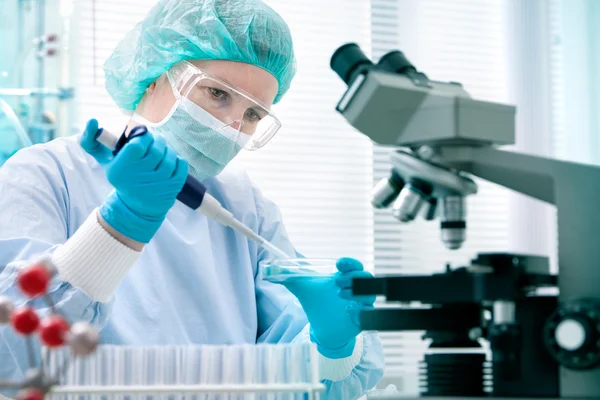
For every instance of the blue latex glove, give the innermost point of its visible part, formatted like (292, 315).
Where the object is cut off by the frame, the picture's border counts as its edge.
(147, 176)
(92, 146)
(332, 310)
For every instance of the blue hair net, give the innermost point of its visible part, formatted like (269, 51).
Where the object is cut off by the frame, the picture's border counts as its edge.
(246, 31)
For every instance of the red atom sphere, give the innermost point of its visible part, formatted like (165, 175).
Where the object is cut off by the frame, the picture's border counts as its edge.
(53, 331)
(30, 394)
(24, 320)
(34, 280)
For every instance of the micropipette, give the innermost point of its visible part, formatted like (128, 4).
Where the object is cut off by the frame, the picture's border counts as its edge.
(193, 193)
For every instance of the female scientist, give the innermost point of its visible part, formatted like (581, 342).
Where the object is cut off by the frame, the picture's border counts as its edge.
(147, 270)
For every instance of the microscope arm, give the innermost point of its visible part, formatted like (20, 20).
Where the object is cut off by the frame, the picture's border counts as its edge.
(530, 175)
(573, 188)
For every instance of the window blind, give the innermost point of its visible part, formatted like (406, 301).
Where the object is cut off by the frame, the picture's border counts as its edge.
(463, 41)
(575, 83)
(317, 169)
(557, 83)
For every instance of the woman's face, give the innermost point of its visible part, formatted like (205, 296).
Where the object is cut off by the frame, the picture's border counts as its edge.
(159, 98)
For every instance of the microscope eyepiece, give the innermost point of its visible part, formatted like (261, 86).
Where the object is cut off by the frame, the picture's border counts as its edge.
(348, 61)
(395, 61)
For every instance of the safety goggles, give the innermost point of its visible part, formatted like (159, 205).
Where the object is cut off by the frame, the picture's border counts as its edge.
(230, 105)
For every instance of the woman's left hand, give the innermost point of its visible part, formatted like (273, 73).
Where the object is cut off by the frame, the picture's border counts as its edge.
(332, 310)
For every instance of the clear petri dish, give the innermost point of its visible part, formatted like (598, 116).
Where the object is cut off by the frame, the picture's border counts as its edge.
(299, 268)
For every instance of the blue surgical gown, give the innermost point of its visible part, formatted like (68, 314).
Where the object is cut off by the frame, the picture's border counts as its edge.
(196, 282)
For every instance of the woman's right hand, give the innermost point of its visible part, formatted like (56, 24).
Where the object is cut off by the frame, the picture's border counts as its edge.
(147, 176)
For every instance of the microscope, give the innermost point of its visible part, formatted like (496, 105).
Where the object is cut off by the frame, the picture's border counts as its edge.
(542, 345)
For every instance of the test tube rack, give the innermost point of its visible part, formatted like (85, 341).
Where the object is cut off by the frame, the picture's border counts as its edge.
(82, 339)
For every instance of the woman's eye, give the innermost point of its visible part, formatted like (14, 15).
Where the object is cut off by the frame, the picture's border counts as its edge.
(218, 93)
(252, 115)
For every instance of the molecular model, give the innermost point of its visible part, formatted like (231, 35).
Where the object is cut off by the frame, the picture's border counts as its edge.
(54, 331)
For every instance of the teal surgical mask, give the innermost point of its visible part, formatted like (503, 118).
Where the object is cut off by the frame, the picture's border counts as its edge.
(206, 143)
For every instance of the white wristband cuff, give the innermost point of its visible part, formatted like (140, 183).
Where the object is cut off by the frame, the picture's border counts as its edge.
(338, 369)
(93, 260)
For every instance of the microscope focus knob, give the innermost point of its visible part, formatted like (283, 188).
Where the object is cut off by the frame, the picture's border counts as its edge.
(572, 334)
